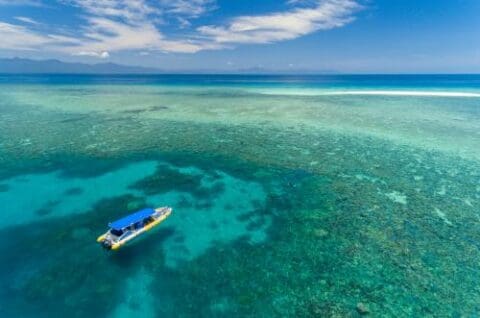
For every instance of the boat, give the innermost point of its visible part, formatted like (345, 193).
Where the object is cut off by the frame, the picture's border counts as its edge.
(131, 226)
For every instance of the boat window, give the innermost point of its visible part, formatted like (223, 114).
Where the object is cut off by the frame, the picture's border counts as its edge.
(148, 220)
(116, 232)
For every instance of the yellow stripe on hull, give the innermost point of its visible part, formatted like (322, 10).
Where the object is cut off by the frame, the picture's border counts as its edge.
(101, 238)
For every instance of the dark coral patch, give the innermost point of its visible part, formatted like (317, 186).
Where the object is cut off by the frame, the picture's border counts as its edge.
(166, 179)
(47, 208)
(145, 110)
(73, 191)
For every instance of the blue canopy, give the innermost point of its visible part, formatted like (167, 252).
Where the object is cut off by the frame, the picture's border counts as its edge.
(131, 219)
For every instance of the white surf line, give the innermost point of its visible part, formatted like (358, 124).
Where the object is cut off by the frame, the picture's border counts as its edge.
(408, 93)
(373, 93)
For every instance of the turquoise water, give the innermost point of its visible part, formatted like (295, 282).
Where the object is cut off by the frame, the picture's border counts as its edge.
(293, 196)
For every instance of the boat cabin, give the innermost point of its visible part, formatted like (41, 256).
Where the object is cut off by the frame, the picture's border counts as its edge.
(132, 222)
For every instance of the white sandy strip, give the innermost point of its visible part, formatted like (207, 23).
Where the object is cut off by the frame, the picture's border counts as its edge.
(373, 93)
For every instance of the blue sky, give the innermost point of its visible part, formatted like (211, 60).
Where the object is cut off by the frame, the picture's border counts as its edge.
(351, 36)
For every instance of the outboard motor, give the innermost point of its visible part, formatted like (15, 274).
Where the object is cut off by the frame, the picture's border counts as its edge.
(107, 244)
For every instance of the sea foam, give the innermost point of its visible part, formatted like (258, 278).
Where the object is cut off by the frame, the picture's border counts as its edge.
(313, 92)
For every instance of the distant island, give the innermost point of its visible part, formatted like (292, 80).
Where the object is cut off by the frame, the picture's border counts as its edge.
(29, 66)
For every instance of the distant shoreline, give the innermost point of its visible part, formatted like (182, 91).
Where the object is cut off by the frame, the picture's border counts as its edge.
(173, 73)
(21, 66)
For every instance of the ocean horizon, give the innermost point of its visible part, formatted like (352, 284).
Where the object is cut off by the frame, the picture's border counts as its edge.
(292, 195)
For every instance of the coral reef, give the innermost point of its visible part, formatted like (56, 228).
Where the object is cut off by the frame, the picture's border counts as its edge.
(322, 220)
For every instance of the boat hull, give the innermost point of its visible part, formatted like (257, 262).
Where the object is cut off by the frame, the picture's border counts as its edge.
(116, 245)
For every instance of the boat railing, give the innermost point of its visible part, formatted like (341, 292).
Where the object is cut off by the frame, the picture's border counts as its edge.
(126, 234)
(160, 212)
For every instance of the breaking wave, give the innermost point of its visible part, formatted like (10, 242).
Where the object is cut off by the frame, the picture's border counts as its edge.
(312, 92)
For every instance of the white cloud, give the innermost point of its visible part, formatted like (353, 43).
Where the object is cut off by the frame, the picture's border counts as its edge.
(129, 10)
(127, 25)
(189, 8)
(183, 11)
(283, 26)
(133, 25)
(110, 25)
(102, 55)
(34, 3)
(26, 20)
(104, 34)
(17, 37)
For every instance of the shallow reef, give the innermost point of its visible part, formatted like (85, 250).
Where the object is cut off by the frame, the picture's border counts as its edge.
(269, 220)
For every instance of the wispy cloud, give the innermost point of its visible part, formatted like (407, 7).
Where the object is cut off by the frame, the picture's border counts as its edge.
(102, 55)
(135, 25)
(184, 11)
(188, 8)
(111, 29)
(128, 10)
(17, 37)
(130, 25)
(35, 3)
(281, 26)
(26, 20)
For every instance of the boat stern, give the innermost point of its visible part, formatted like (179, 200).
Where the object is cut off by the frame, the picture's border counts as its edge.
(101, 238)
